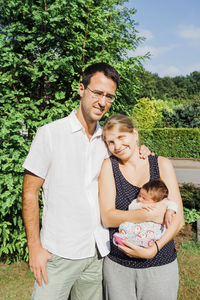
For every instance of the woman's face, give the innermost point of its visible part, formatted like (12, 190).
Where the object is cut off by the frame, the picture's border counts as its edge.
(121, 144)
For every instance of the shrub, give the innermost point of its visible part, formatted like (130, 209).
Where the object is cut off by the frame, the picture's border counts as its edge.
(191, 201)
(144, 114)
(185, 116)
(191, 215)
(161, 105)
(191, 196)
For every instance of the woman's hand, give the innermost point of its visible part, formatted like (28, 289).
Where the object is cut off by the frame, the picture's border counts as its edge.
(147, 206)
(137, 251)
(170, 213)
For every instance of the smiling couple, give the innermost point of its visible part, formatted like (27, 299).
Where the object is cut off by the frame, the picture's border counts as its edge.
(65, 160)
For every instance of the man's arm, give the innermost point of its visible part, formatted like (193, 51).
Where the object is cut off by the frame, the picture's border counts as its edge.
(112, 217)
(38, 256)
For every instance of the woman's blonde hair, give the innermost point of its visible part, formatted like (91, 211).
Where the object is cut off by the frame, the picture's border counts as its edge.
(123, 123)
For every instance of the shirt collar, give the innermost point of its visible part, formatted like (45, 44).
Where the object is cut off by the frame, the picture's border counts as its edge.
(76, 125)
(98, 130)
(74, 122)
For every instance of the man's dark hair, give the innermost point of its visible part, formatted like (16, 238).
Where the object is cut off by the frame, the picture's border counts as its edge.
(157, 189)
(105, 68)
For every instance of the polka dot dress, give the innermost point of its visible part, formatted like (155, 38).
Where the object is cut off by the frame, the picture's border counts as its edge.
(126, 192)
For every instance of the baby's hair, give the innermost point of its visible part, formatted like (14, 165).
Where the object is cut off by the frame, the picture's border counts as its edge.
(123, 123)
(157, 189)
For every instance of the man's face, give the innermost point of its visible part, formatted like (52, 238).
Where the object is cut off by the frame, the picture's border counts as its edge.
(93, 109)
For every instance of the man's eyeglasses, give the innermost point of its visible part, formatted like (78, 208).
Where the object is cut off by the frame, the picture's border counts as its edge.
(99, 95)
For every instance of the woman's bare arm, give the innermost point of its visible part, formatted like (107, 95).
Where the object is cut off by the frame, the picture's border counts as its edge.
(167, 174)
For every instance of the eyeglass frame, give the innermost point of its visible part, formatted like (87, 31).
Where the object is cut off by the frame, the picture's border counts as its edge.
(99, 95)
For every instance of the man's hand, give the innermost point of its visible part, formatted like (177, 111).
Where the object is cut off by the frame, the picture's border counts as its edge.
(38, 258)
(137, 251)
(144, 152)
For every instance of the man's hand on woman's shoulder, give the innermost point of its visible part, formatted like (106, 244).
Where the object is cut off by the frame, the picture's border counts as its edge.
(144, 152)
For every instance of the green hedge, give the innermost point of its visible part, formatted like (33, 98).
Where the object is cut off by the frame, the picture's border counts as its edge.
(172, 142)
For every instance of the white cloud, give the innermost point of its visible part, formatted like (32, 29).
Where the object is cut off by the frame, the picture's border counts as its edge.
(153, 68)
(147, 34)
(154, 51)
(192, 68)
(163, 70)
(172, 71)
(189, 32)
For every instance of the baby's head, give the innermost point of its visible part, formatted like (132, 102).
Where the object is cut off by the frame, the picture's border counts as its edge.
(152, 191)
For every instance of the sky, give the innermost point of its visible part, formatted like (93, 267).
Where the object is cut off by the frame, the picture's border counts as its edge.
(172, 32)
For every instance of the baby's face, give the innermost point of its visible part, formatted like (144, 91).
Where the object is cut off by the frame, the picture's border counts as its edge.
(144, 197)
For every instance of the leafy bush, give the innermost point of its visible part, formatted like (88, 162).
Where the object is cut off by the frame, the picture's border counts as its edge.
(191, 201)
(159, 106)
(191, 215)
(144, 114)
(191, 196)
(185, 116)
(172, 142)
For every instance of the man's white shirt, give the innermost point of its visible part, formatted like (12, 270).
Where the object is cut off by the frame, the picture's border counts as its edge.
(63, 156)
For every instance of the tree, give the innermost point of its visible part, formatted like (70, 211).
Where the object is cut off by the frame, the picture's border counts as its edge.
(179, 87)
(44, 46)
(193, 83)
(148, 84)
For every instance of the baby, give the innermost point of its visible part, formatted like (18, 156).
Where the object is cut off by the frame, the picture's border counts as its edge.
(144, 234)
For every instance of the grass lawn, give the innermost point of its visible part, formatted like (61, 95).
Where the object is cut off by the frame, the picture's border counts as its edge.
(16, 281)
(189, 270)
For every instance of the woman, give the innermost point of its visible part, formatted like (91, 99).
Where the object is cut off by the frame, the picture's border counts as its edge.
(132, 272)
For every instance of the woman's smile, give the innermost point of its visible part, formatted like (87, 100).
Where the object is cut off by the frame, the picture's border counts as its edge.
(121, 144)
(121, 150)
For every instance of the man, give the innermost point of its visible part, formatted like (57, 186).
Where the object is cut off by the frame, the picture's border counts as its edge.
(65, 160)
